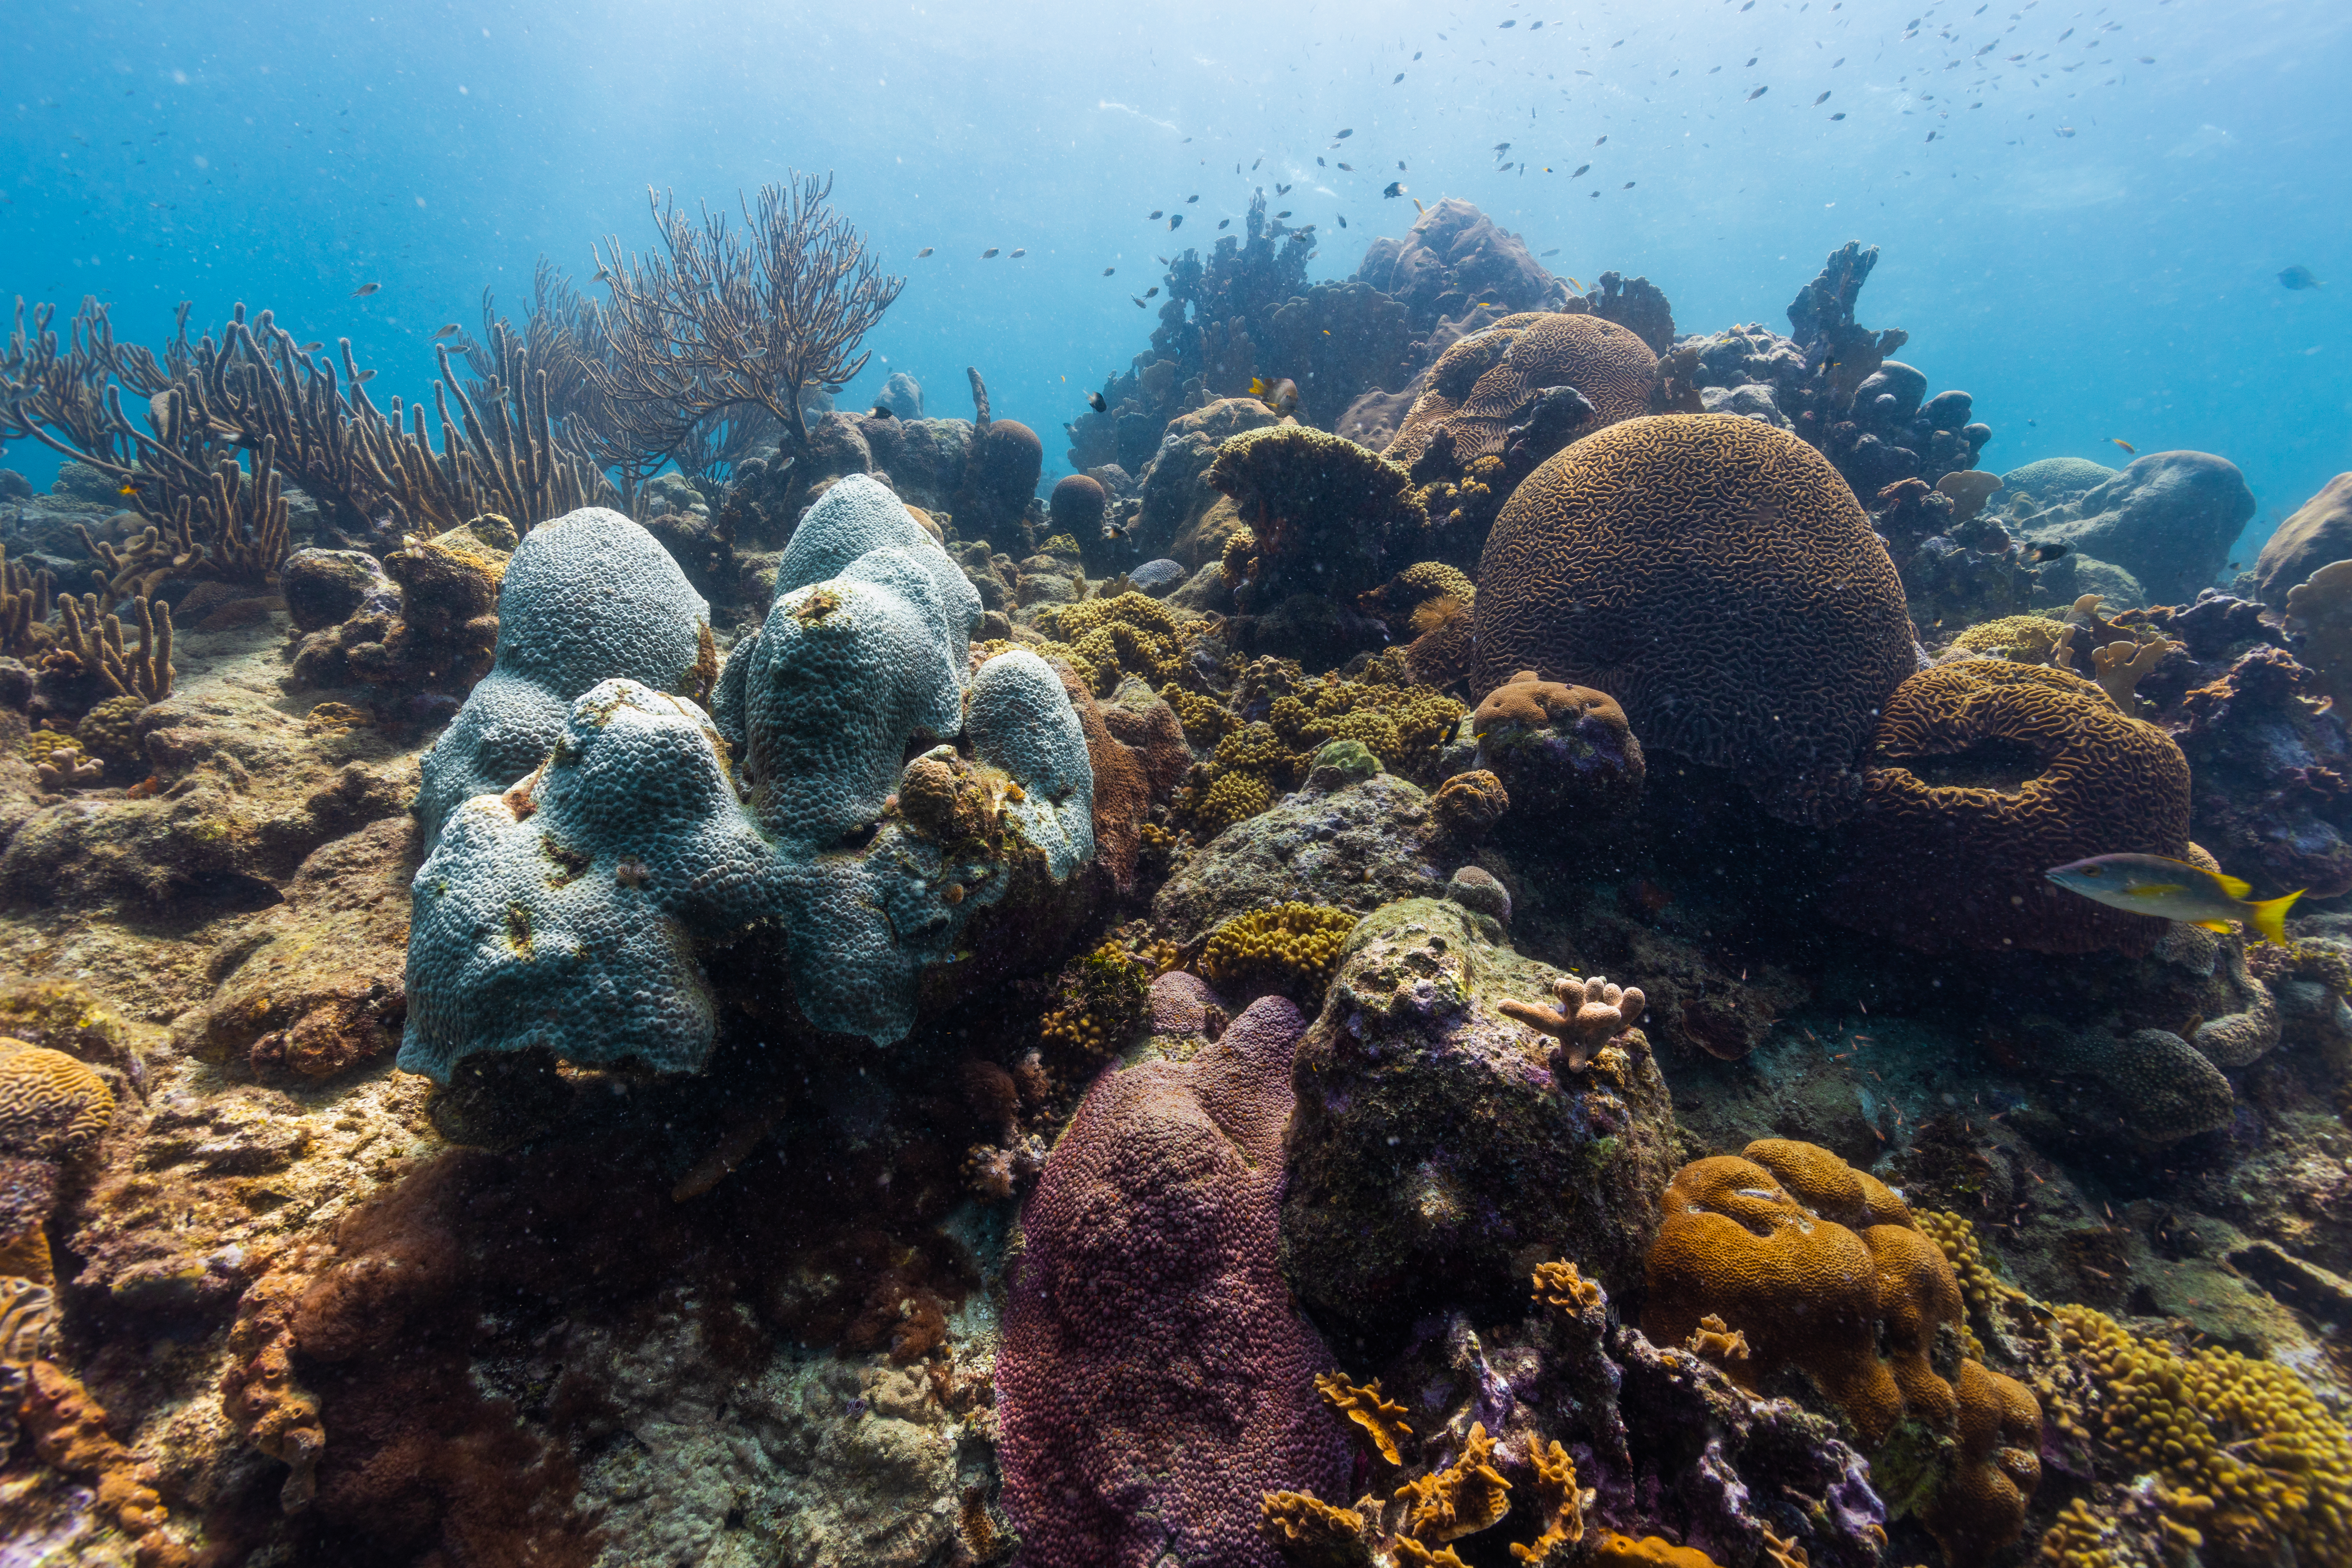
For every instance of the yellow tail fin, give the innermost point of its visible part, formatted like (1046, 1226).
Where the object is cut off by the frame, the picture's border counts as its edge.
(2269, 917)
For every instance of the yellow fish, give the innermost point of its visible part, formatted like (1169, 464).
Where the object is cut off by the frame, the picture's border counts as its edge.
(1282, 396)
(2126, 445)
(2174, 890)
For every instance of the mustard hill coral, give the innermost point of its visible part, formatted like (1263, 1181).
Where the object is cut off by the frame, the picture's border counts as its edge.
(1289, 948)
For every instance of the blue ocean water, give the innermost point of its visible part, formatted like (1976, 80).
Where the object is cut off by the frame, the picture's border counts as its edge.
(2083, 210)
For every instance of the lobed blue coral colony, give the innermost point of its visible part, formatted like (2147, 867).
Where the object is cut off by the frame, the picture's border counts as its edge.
(1063, 821)
(573, 907)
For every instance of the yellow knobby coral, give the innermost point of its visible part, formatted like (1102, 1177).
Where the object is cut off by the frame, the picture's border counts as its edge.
(1382, 1420)
(2251, 1452)
(52, 1106)
(2026, 639)
(1463, 1498)
(1207, 721)
(1128, 633)
(1290, 944)
(1233, 798)
(1100, 999)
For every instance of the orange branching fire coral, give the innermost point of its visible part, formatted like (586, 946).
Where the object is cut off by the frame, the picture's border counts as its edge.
(1382, 1420)
(1460, 1500)
(1561, 1502)
(1720, 1345)
(1559, 1285)
(1410, 1530)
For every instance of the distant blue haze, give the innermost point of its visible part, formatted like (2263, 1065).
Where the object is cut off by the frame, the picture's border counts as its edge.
(2120, 281)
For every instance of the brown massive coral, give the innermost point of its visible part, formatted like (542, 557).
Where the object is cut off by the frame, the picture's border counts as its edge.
(1489, 381)
(1820, 1266)
(1985, 775)
(1718, 578)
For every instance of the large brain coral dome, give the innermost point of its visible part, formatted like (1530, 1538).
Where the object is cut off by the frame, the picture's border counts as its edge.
(573, 911)
(1719, 579)
(588, 596)
(1488, 380)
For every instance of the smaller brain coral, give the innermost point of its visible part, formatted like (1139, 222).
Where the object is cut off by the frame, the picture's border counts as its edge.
(52, 1106)
(1289, 948)
(2028, 639)
(1985, 775)
(1563, 753)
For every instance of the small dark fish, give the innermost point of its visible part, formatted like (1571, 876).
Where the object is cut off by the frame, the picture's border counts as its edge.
(1579, 170)
(1343, 135)
(1253, 163)
(1757, 93)
(1139, 300)
(988, 253)
(1157, 212)
(1818, 101)
(1416, 54)
(1343, 220)
(1399, 77)
(1553, 251)
(1190, 200)
(1319, 163)
(925, 251)
(1502, 146)
(1752, 60)
(1017, 254)
(311, 347)
(1284, 213)
(1282, 190)
(1108, 270)
(1535, 26)
(882, 411)
(1749, 7)
(1931, 135)
(1395, 188)
(452, 330)
(1176, 221)
(1347, 168)
(1626, 187)
(1148, 293)
(1598, 140)
(364, 290)
(1401, 168)
(364, 376)
(1501, 25)
(2299, 277)
(1094, 401)
(2048, 551)
(1225, 223)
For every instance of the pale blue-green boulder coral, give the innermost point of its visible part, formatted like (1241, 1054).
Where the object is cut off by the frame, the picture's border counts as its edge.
(588, 596)
(573, 910)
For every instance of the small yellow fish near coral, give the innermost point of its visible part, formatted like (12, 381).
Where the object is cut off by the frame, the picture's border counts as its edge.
(2126, 445)
(2174, 890)
(1282, 396)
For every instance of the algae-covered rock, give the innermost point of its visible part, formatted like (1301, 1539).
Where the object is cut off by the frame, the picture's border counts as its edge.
(1353, 846)
(1434, 1157)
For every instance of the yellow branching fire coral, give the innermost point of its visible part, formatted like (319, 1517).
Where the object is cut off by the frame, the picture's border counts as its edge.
(2256, 1462)
(1465, 1497)
(1557, 1498)
(1561, 1287)
(1382, 1420)
(1290, 946)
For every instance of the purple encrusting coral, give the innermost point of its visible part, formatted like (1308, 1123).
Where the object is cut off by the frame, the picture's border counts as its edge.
(1155, 1379)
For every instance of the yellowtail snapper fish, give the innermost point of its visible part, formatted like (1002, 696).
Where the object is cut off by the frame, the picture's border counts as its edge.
(2174, 890)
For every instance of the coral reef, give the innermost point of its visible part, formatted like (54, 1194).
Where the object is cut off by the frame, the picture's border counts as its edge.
(1155, 1379)
(1985, 775)
(1455, 255)
(1789, 622)
(1290, 949)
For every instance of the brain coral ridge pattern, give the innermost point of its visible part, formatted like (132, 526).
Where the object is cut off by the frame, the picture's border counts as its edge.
(572, 909)
(1156, 1379)
(1717, 577)
(1940, 862)
(1820, 1266)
